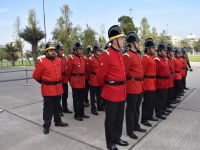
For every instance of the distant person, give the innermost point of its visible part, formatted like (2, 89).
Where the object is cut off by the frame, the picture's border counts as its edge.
(134, 85)
(149, 68)
(64, 78)
(48, 73)
(111, 74)
(76, 72)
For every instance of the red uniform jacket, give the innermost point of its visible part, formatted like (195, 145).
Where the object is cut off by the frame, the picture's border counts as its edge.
(87, 67)
(76, 71)
(134, 73)
(162, 73)
(171, 65)
(64, 75)
(184, 67)
(93, 68)
(149, 68)
(47, 70)
(111, 68)
(177, 69)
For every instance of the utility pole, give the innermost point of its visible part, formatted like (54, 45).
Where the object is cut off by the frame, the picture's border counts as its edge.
(44, 23)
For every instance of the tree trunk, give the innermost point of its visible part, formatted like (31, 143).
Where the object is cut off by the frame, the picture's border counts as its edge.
(34, 52)
(22, 57)
(13, 63)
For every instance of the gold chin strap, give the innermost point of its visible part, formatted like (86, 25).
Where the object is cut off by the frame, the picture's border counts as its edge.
(116, 36)
(50, 48)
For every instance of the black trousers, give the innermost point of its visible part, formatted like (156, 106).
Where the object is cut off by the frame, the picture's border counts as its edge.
(161, 100)
(133, 112)
(78, 101)
(113, 121)
(148, 105)
(170, 95)
(86, 90)
(51, 108)
(177, 88)
(95, 92)
(183, 83)
(64, 97)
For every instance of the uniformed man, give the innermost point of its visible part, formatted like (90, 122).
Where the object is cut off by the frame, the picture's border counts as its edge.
(95, 86)
(48, 73)
(64, 79)
(178, 75)
(76, 72)
(134, 85)
(111, 74)
(170, 56)
(162, 81)
(149, 68)
(87, 58)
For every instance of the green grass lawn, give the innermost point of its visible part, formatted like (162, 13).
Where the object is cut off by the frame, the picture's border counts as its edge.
(6, 63)
(194, 58)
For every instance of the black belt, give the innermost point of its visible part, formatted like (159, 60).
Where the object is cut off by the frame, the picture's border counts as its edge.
(77, 74)
(149, 76)
(64, 74)
(93, 72)
(177, 72)
(172, 73)
(134, 79)
(50, 83)
(115, 82)
(163, 77)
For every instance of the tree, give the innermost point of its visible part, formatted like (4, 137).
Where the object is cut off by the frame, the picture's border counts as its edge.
(88, 36)
(127, 25)
(102, 39)
(64, 32)
(2, 54)
(196, 46)
(186, 44)
(32, 34)
(144, 30)
(28, 55)
(12, 53)
(164, 37)
(154, 34)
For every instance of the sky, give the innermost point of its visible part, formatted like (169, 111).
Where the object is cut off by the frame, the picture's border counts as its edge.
(177, 17)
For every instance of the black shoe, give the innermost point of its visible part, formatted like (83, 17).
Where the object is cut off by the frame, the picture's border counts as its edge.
(61, 114)
(154, 119)
(46, 130)
(87, 104)
(121, 142)
(186, 88)
(133, 136)
(139, 129)
(112, 147)
(95, 113)
(85, 116)
(146, 123)
(61, 124)
(78, 118)
(163, 117)
(168, 110)
(100, 109)
(67, 111)
(173, 102)
(171, 106)
(165, 113)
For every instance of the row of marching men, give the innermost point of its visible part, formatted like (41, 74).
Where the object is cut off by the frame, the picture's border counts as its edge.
(113, 78)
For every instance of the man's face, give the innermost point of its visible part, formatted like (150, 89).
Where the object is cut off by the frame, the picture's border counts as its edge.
(61, 52)
(52, 52)
(90, 53)
(164, 52)
(152, 50)
(98, 52)
(171, 53)
(80, 51)
(121, 41)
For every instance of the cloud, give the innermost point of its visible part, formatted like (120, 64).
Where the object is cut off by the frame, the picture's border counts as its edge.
(3, 10)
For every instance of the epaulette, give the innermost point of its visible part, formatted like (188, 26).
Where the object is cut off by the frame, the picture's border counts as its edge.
(126, 54)
(90, 58)
(71, 56)
(107, 52)
(40, 58)
(157, 59)
(146, 56)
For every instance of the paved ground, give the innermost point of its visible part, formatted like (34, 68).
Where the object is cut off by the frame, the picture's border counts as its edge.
(21, 121)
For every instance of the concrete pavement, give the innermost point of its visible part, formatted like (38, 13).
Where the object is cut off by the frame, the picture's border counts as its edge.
(21, 122)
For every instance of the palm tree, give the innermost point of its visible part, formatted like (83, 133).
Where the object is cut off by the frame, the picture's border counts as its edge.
(32, 34)
(12, 53)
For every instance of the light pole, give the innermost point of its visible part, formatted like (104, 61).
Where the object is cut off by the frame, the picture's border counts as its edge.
(44, 23)
(130, 12)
